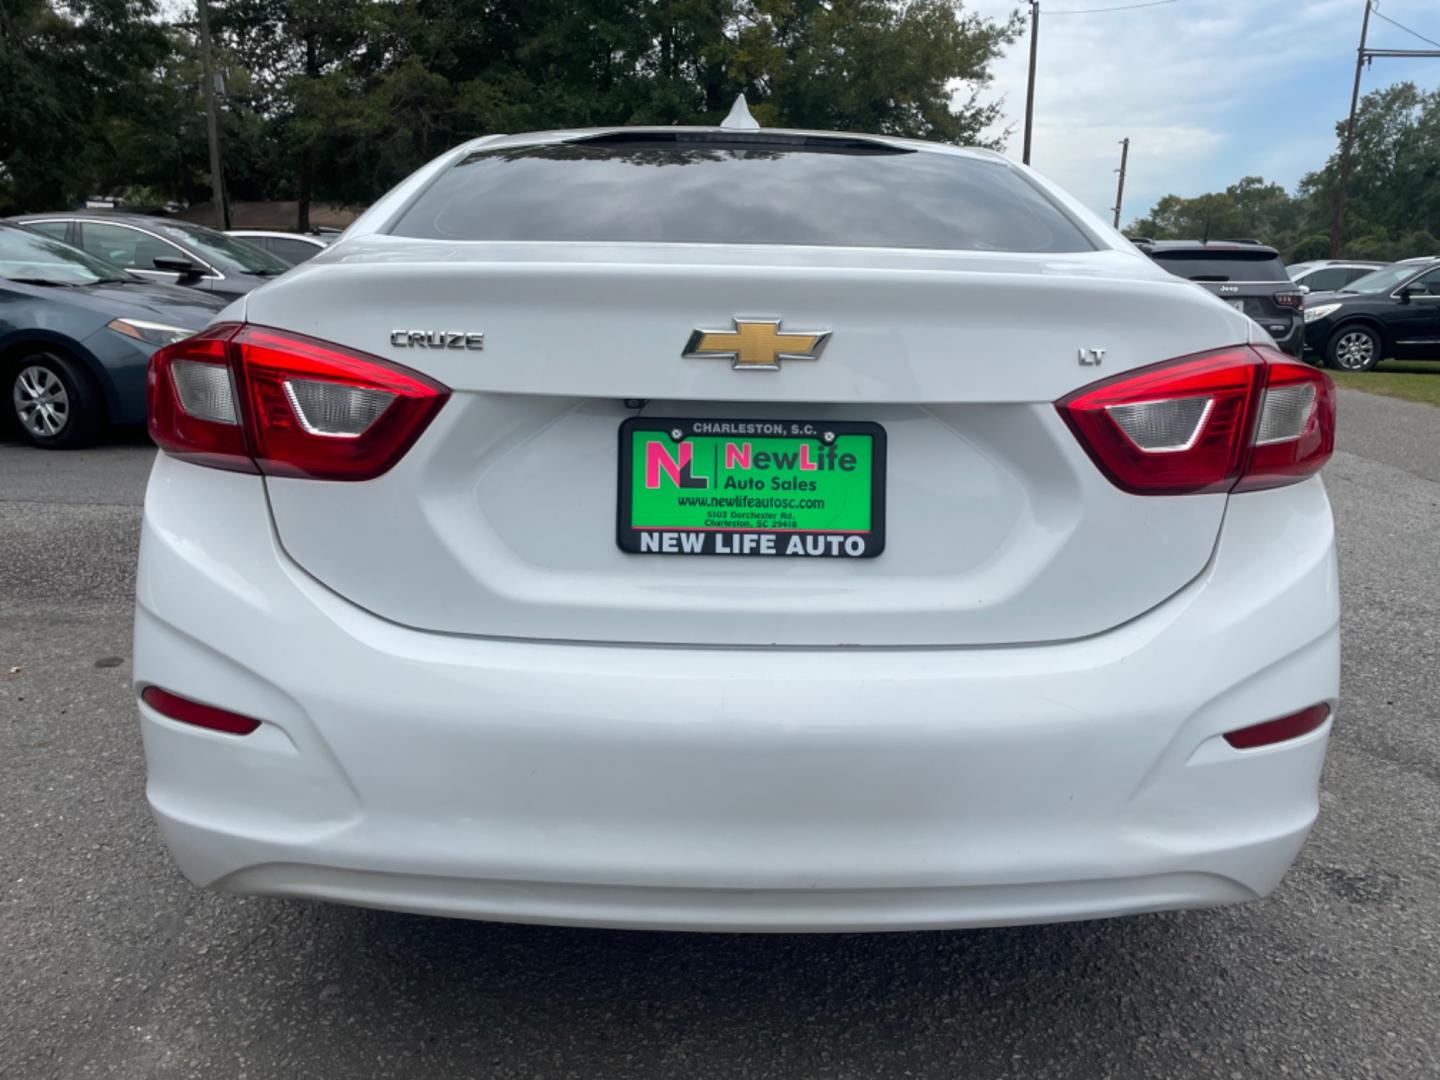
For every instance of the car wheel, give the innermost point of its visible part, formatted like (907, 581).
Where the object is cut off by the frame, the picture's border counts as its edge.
(1353, 348)
(53, 401)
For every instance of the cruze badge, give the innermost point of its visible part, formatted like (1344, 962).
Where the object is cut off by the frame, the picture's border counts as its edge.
(437, 339)
(755, 344)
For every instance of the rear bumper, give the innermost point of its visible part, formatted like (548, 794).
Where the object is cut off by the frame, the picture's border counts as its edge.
(1291, 341)
(703, 788)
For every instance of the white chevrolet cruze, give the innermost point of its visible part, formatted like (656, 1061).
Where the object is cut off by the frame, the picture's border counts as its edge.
(714, 528)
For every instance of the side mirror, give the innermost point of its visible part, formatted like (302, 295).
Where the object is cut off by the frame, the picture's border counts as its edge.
(186, 268)
(1303, 290)
(1412, 290)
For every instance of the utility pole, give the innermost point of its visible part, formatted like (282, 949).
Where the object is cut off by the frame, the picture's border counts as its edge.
(1339, 208)
(1030, 87)
(212, 121)
(1362, 57)
(1120, 188)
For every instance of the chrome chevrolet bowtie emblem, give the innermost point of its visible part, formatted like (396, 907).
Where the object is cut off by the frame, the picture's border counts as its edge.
(755, 344)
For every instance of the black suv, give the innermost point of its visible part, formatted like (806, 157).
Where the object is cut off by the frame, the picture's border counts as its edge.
(1393, 312)
(1247, 276)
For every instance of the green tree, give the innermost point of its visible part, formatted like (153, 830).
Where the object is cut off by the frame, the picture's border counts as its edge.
(287, 50)
(871, 65)
(71, 78)
(1394, 186)
(360, 95)
(1250, 209)
(1392, 208)
(339, 99)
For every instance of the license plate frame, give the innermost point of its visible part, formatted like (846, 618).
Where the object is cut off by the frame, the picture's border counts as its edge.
(1238, 305)
(823, 463)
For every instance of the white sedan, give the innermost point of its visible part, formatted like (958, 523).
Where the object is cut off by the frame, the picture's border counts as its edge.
(726, 529)
(293, 248)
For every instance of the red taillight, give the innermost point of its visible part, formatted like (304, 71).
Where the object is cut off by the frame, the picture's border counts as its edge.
(1289, 299)
(1235, 419)
(1274, 731)
(322, 411)
(255, 399)
(193, 712)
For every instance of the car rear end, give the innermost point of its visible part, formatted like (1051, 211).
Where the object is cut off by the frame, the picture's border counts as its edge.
(812, 563)
(1250, 278)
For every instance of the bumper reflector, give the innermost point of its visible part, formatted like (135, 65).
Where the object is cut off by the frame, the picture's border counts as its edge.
(1274, 731)
(192, 712)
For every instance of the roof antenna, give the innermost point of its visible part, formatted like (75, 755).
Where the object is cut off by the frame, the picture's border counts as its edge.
(739, 118)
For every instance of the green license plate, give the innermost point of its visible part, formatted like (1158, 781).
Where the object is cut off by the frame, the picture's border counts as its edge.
(752, 487)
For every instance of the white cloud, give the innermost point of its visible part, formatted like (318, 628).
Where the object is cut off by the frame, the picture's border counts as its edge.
(1208, 91)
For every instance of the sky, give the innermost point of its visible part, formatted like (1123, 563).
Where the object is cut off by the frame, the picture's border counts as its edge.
(1207, 91)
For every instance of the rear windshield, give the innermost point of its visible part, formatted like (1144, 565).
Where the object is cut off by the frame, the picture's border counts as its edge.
(833, 193)
(216, 245)
(1223, 266)
(1386, 280)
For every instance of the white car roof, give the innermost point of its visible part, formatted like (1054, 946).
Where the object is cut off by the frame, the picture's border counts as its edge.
(318, 241)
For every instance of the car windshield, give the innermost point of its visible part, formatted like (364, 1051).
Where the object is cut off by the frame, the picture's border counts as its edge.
(1387, 280)
(692, 188)
(218, 246)
(34, 258)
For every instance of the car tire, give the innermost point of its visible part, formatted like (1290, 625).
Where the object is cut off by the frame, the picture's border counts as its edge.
(52, 401)
(1353, 348)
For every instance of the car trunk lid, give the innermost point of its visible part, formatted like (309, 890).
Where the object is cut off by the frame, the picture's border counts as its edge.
(502, 520)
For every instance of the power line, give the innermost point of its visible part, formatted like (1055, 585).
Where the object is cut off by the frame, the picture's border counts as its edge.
(1122, 7)
(1392, 22)
(1034, 52)
(1163, 3)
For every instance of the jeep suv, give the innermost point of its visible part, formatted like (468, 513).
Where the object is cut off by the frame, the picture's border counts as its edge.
(1249, 277)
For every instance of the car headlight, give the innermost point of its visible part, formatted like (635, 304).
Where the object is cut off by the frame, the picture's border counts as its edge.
(151, 333)
(1313, 313)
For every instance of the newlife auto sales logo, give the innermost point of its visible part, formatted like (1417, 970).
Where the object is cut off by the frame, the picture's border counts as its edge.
(679, 468)
(706, 487)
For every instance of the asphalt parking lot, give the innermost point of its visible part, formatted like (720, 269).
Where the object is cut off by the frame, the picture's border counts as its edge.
(111, 965)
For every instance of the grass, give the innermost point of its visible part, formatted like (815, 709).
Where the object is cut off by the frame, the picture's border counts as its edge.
(1413, 380)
